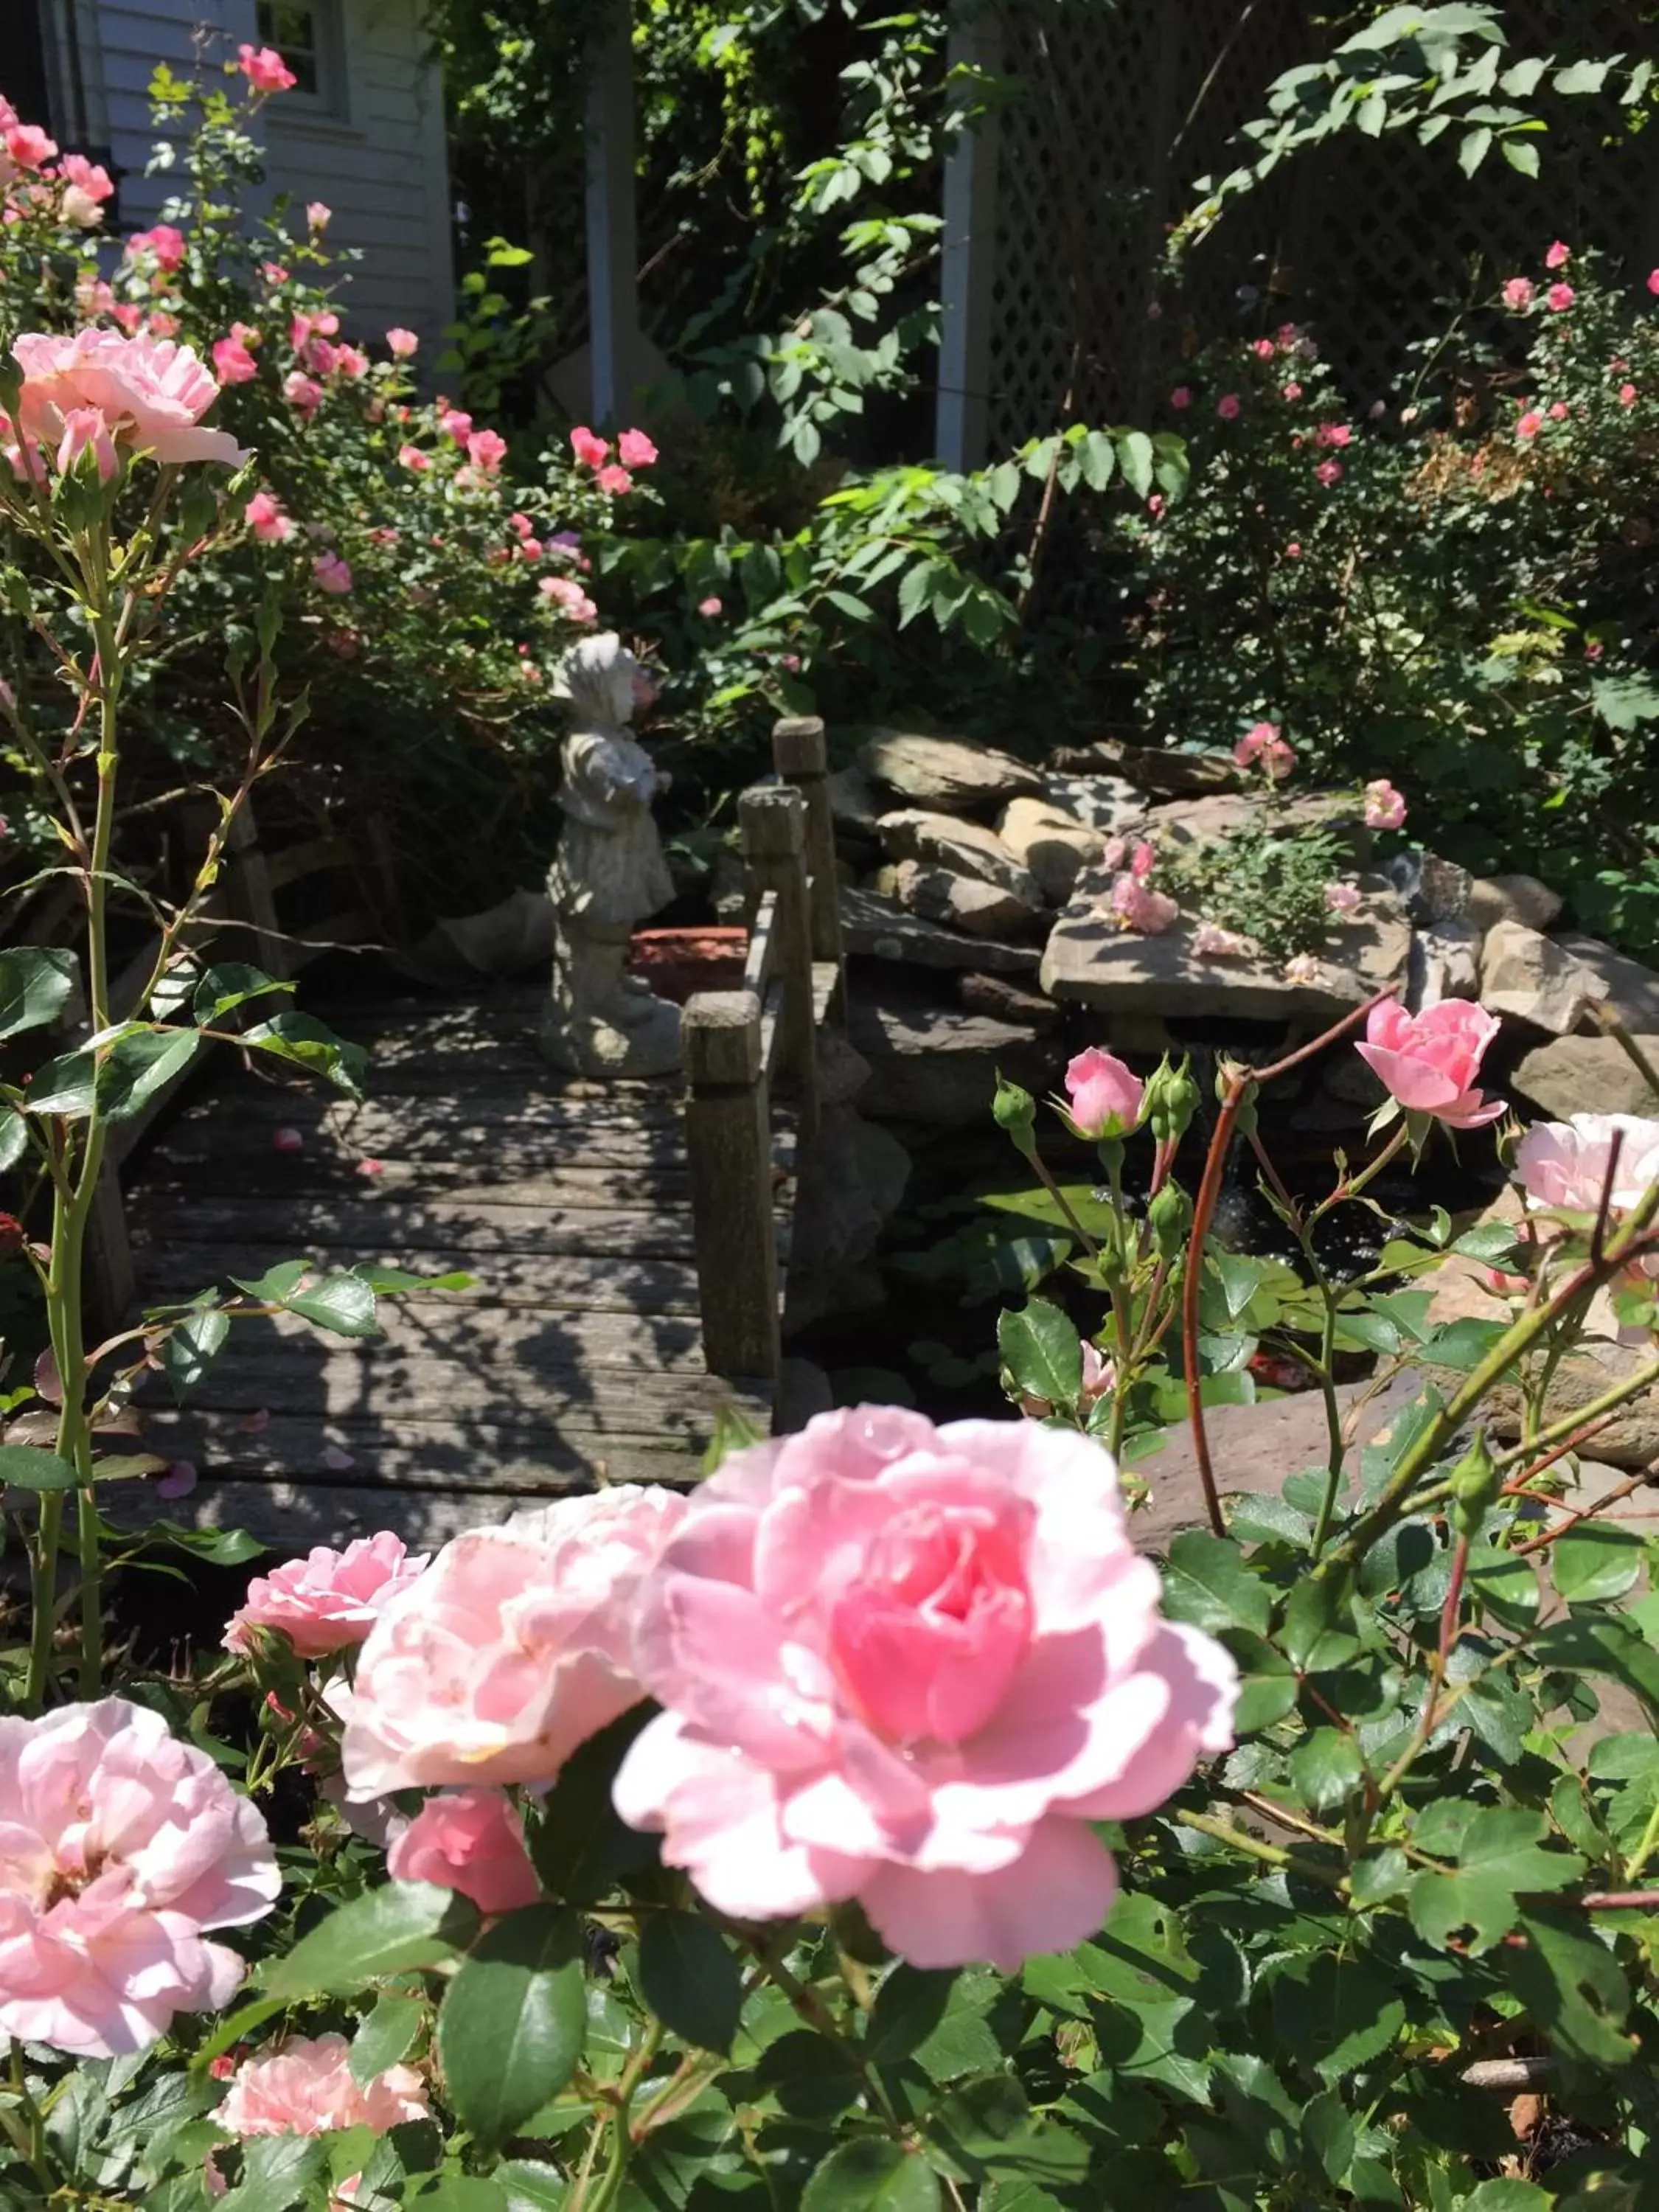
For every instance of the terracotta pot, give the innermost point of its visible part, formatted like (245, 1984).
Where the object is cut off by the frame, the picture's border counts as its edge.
(675, 963)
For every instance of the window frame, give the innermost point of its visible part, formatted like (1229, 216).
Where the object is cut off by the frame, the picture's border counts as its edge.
(331, 102)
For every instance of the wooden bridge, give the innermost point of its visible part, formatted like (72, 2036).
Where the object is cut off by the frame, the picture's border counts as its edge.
(627, 1243)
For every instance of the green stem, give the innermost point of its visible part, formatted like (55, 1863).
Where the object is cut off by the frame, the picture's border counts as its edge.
(1646, 1849)
(1333, 1410)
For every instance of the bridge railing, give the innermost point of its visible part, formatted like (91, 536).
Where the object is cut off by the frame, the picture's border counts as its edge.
(746, 1047)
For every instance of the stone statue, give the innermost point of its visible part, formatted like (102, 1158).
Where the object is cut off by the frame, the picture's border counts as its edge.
(608, 875)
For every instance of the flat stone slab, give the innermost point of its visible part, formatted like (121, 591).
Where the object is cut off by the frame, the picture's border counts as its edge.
(966, 848)
(1587, 1075)
(880, 929)
(1632, 991)
(1209, 817)
(1091, 961)
(1149, 767)
(944, 772)
(937, 1064)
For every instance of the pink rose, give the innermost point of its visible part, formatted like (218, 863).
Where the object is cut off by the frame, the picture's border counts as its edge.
(1529, 424)
(1293, 390)
(118, 1846)
(1559, 255)
(411, 457)
(1211, 942)
(1627, 395)
(1142, 860)
(510, 1651)
(1333, 434)
(266, 520)
(1559, 297)
(302, 393)
(328, 1600)
(486, 450)
(87, 177)
(151, 393)
(1262, 744)
(1263, 348)
(1329, 473)
(456, 423)
(402, 342)
(1429, 1061)
(319, 214)
(1517, 292)
(1227, 407)
(233, 363)
(1385, 809)
(709, 607)
(568, 597)
(1567, 1164)
(1653, 280)
(471, 1840)
(589, 450)
(614, 480)
(265, 69)
(1105, 1095)
(910, 1665)
(308, 2088)
(1301, 967)
(1341, 898)
(85, 431)
(1558, 410)
(332, 574)
(635, 450)
(164, 243)
(1135, 907)
(350, 361)
(1182, 397)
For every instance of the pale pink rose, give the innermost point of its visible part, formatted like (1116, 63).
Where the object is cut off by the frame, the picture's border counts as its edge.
(328, 1600)
(1135, 907)
(635, 450)
(118, 1846)
(92, 298)
(1559, 297)
(614, 480)
(510, 1651)
(1342, 898)
(1182, 397)
(165, 245)
(1105, 1095)
(85, 431)
(910, 1666)
(1558, 411)
(470, 1840)
(231, 362)
(710, 606)
(1529, 424)
(1329, 473)
(273, 272)
(411, 457)
(265, 69)
(1211, 942)
(455, 423)
(1566, 1164)
(308, 2088)
(589, 450)
(403, 343)
(1559, 255)
(1301, 967)
(161, 325)
(266, 520)
(302, 393)
(319, 214)
(568, 597)
(1385, 808)
(1627, 395)
(1142, 860)
(1292, 391)
(1429, 1061)
(332, 574)
(486, 450)
(1099, 1375)
(1518, 293)
(151, 393)
(1116, 852)
(1227, 407)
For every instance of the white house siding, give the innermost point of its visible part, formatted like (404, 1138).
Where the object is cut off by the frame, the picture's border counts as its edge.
(381, 167)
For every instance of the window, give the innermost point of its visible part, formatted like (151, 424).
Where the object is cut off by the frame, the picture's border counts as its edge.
(307, 34)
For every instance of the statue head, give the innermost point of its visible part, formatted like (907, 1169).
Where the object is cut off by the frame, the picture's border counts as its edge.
(597, 675)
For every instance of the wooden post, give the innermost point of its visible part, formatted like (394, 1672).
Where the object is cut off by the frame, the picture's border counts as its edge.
(613, 308)
(968, 261)
(728, 1137)
(248, 894)
(801, 759)
(773, 821)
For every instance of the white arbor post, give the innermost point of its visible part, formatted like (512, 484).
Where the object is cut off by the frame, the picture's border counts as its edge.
(613, 308)
(968, 263)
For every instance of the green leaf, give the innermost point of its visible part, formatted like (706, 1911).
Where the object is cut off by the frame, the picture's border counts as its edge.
(532, 2186)
(872, 2174)
(1501, 1857)
(1601, 1643)
(1520, 154)
(343, 1303)
(1318, 1632)
(28, 1466)
(1595, 1563)
(1335, 2012)
(64, 1085)
(1582, 76)
(1463, 1345)
(689, 1978)
(1208, 1585)
(1572, 1986)
(192, 1345)
(986, 2130)
(1327, 1769)
(1134, 454)
(278, 2172)
(388, 1930)
(230, 986)
(580, 1843)
(1042, 1352)
(14, 1135)
(1504, 2194)
(139, 1065)
(37, 981)
(386, 2036)
(310, 1043)
(1474, 148)
(511, 2028)
(937, 2020)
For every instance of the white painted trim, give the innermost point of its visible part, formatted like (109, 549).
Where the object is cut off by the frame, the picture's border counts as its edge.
(613, 308)
(967, 262)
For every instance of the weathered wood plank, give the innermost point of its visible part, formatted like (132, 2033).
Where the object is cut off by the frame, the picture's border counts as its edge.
(291, 1517)
(347, 1227)
(320, 1173)
(512, 1280)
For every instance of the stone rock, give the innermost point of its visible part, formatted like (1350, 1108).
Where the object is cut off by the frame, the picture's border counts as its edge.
(852, 1180)
(1494, 899)
(728, 886)
(1207, 819)
(855, 804)
(939, 894)
(1091, 961)
(1055, 847)
(1105, 803)
(1445, 964)
(967, 848)
(1528, 976)
(1630, 1440)
(879, 928)
(944, 772)
(1149, 767)
(1005, 1001)
(1442, 893)
(935, 1064)
(1586, 1075)
(1632, 991)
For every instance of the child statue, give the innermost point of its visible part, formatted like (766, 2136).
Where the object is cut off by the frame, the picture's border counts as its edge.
(608, 875)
